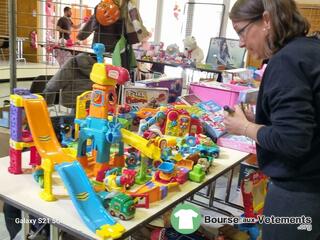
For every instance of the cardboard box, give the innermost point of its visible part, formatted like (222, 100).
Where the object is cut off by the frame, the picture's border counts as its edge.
(173, 84)
(189, 99)
(138, 97)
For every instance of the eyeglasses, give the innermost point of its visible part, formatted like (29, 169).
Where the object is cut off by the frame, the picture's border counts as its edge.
(242, 30)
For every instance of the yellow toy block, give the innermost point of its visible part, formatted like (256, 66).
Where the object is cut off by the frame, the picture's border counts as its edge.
(16, 100)
(99, 75)
(20, 145)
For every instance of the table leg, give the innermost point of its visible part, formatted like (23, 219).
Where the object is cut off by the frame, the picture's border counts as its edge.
(228, 189)
(54, 232)
(212, 192)
(25, 226)
(209, 188)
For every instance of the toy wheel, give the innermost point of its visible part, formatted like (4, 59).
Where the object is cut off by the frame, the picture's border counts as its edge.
(112, 213)
(122, 217)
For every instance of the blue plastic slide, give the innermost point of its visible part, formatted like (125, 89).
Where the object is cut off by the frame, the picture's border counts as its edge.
(86, 201)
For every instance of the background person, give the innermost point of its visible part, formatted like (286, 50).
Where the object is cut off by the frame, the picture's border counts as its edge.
(65, 24)
(287, 122)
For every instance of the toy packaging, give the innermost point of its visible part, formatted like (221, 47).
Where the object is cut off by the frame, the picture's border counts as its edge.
(212, 119)
(174, 85)
(189, 99)
(241, 143)
(138, 97)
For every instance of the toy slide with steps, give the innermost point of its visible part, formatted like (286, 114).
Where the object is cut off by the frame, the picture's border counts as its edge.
(42, 131)
(71, 172)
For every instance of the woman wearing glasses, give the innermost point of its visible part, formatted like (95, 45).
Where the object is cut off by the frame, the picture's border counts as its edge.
(287, 123)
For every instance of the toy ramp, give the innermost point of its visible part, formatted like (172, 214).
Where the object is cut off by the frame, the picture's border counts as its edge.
(134, 140)
(86, 201)
(42, 131)
(152, 190)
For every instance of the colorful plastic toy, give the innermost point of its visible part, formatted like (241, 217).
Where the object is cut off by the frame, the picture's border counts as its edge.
(197, 174)
(174, 122)
(87, 202)
(122, 206)
(99, 49)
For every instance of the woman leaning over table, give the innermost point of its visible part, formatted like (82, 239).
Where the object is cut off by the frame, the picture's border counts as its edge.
(287, 123)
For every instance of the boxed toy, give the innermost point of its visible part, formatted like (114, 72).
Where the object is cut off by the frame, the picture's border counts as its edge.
(241, 143)
(138, 97)
(189, 99)
(212, 118)
(173, 84)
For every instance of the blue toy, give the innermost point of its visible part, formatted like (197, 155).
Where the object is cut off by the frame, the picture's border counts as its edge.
(99, 49)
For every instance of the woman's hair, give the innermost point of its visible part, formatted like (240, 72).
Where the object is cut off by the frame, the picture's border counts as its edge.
(286, 21)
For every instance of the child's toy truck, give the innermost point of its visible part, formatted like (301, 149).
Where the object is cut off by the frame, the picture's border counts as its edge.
(121, 205)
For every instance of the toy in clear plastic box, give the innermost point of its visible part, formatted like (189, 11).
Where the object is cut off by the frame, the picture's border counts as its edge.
(138, 97)
(212, 119)
(210, 106)
(213, 124)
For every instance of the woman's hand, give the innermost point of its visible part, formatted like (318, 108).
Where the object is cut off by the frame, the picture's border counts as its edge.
(236, 122)
(248, 111)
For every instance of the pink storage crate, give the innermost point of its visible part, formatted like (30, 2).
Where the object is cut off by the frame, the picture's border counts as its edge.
(221, 93)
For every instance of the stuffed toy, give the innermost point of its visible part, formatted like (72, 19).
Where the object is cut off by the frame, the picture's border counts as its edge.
(172, 50)
(192, 51)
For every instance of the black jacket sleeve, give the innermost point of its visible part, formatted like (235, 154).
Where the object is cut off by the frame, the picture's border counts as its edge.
(289, 99)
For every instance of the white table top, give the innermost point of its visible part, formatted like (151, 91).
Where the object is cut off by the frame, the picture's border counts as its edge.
(23, 192)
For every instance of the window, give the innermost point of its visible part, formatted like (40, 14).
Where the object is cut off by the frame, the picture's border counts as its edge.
(148, 13)
(231, 33)
(172, 22)
(203, 22)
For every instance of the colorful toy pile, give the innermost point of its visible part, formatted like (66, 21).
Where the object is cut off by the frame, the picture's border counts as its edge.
(96, 167)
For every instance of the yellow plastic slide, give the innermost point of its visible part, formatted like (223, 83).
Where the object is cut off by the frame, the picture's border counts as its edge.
(134, 140)
(42, 131)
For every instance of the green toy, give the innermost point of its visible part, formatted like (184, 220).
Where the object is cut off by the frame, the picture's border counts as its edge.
(197, 174)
